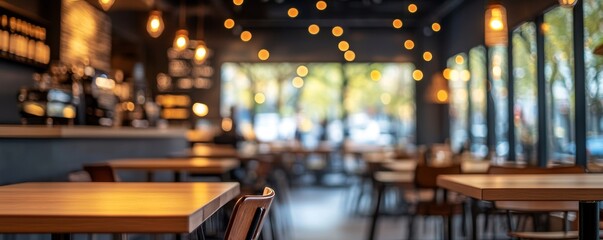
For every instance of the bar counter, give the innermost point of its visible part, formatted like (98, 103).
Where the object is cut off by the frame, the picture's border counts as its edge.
(42, 153)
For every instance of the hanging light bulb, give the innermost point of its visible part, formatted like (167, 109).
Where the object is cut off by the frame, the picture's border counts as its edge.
(106, 4)
(155, 24)
(200, 52)
(567, 3)
(181, 40)
(496, 24)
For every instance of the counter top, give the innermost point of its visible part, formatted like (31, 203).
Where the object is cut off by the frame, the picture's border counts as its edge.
(31, 131)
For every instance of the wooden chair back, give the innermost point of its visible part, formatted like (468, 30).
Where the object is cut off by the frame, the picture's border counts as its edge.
(248, 216)
(101, 173)
(426, 176)
(535, 170)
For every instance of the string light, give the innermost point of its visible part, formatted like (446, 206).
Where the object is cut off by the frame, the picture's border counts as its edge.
(237, 2)
(313, 29)
(155, 24)
(321, 5)
(397, 23)
(263, 54)
(349, 55)
(427, 56)
(229, 23)
(436, 27)
(343, 46)
(417, 75)
(292, 12)
(337, 31)
(246, 36)
(409, 44)
(412, 8)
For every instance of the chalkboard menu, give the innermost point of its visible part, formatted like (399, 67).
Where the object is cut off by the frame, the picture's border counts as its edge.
(23, 39)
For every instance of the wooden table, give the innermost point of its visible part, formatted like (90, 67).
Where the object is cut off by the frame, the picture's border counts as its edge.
(586, 188)
(110, 207)
(192, 165)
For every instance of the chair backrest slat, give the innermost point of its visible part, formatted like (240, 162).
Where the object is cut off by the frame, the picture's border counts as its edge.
(101, 173)
(248, 216)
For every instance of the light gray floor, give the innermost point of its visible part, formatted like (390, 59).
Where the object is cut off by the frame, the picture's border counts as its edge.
(319, 213)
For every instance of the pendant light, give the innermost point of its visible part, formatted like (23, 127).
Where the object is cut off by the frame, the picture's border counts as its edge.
(201, 50)
(496, 32)
(567, 3)
(106, 4)
(181, 40)
(155, 24)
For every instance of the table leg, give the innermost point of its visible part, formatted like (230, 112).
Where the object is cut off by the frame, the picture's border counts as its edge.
(474, 211)
(60, 236)
(373, 230)
(177, 177)
(589, 220)
(150, 176)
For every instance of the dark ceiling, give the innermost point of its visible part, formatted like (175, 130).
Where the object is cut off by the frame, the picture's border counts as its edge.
(273, 13)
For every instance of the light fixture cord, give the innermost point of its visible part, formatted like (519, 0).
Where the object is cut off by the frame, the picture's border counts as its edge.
(200, 23)
(182, 14)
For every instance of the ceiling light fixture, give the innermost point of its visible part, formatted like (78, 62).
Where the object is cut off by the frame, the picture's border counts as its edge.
(106, 4)
(567, 3)
(201, 51)
(181, 40)
(155, 24)
(496, 24)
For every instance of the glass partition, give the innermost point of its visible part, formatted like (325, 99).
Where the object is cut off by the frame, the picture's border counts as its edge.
(477, 88)
(525, 111)
(559, 77)
(593, 31)
(459, 101)
(498, 81)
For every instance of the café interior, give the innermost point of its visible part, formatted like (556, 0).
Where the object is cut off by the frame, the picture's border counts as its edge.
(302, 120)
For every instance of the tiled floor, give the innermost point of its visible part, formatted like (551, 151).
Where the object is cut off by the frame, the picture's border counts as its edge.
(319, 213)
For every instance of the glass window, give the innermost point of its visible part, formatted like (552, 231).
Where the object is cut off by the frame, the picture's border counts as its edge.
(459, 101)
(559, 75)
(498, 76)
(477, 87)
(304, 101)
(525, 86)
(593, 31)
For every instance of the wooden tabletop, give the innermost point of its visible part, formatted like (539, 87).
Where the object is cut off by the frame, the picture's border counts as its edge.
(193, 165)
(542, 187)
(110, 207)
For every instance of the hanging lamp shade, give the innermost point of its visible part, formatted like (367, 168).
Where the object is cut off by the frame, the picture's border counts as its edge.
(496, 31)
(106, 4)
(201, 52)
(567, 3)
(181, 40)
(155, 24)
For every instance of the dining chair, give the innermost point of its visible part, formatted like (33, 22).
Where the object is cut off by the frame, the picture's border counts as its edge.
(442, 204)
(100, 172)
(532, 208)
(248, 216)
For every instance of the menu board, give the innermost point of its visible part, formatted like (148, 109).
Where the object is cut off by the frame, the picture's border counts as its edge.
(23, 39)
(85, 35)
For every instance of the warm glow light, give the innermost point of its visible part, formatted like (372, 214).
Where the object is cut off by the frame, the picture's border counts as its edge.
(263, 54)
(337, 31)
(386, 98)
(292, 12)
(545, 28)
(181, 40)
(397, 23)
(229, 23)
(427, 56)
(459, 59)
(226, 124)
(412, 8)
(313, 29)
(349, 55)
(465, 75)
(375, 75)
(343, 46)
(436, 27)
(259, 98)
(497, 72)
(155, 24)
(200, 52)
(106, 4)
(321, 5)
(495, 25)
(567, 3)
(442, 96)
(237, 2)
(417, 75)
(409, 44)
(246, 36)
(302, 71)
(297, 82)
(446, 73)
(455, 75)
(200, 109)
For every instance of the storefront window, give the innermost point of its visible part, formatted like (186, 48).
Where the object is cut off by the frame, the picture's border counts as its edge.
(459, 101)
(525, 111)
(559, 77)
(593, 31)
(477, 87)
